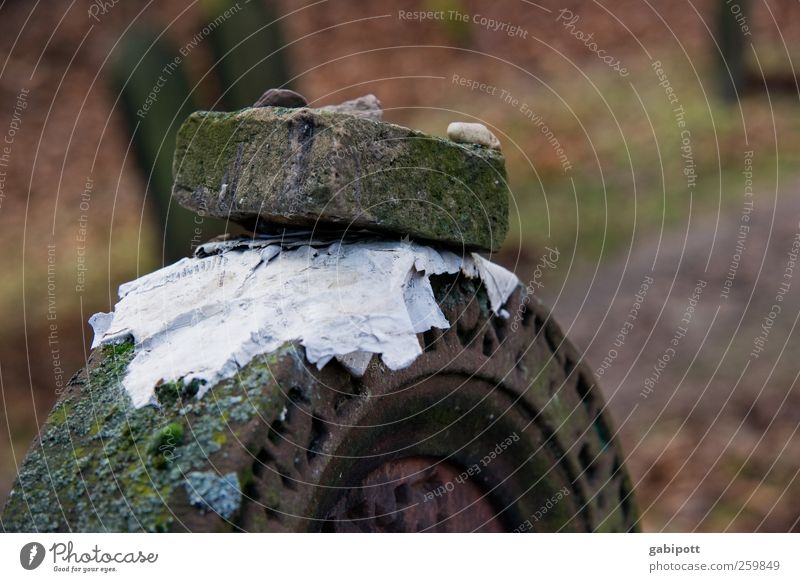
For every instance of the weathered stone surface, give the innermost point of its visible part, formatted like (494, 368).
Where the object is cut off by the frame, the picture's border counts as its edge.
(367, 106)
(286, 447)
(102, 465)
(275, 167)
(476, 133)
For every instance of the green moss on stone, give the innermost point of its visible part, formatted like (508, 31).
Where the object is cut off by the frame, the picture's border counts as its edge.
(273, 166)
(101, 465)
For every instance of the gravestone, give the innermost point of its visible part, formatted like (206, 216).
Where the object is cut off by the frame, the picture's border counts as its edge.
(354, 365)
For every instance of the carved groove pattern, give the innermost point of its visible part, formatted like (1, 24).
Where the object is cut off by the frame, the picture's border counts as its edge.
(524, 355)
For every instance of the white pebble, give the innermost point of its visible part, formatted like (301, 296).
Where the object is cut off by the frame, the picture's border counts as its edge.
(476, 133)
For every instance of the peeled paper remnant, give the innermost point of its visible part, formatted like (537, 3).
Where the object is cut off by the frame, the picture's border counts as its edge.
(205, 317)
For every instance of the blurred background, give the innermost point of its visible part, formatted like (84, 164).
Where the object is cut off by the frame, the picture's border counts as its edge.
(652, 150)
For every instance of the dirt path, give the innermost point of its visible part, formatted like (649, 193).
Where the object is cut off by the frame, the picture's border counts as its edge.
(704, 396)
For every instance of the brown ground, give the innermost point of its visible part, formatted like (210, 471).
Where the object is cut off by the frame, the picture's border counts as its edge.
(715, 445)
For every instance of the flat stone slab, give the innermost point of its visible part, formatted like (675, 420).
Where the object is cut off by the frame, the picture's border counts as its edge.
(273, 167)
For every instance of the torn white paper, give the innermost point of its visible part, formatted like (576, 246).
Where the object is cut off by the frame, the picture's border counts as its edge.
(206, 317)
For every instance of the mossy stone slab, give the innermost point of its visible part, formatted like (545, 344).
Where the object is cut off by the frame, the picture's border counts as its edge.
(271, 167)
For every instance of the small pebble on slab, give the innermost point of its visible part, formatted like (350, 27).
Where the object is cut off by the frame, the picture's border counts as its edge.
(281, 98)
(475, 133)
(367, 106)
